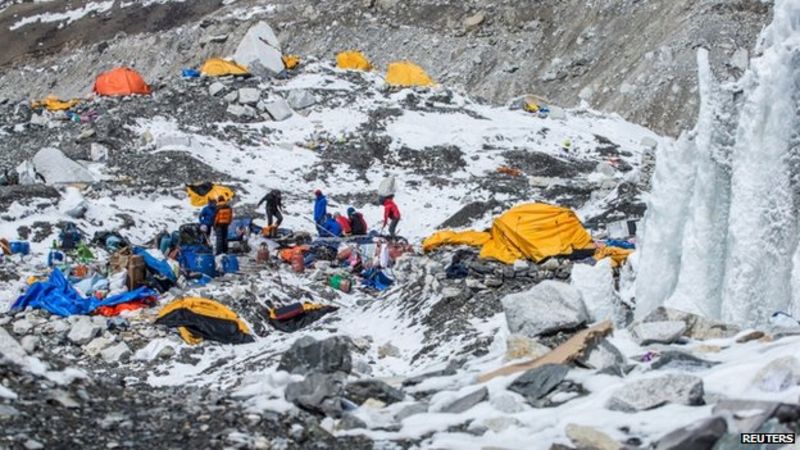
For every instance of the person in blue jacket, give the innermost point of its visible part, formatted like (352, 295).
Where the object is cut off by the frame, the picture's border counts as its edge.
(332, 227)
(320, 211)
(207, 216)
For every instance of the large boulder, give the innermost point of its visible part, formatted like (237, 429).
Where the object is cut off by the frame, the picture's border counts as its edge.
(536, 383)
(685, 362)
(83, 330)
(56, 168)
(654, 392)
(548, 307)
(666, 332)
(466, 402)
(362, 390)
(319, 393)
(300, 99)
(260, 47)
(602, 355)
(278, 109)
(700, 435)
(310, 355)
(778, 375)
(697, 327)
(588, 438)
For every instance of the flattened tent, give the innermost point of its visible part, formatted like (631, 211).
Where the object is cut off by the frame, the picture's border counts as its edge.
(297, 316)
(200, 194)
(218, 67)
(201, 318)
(534, 231)
(406, 73)
(120, 81)
(353, 60)
(53, 103)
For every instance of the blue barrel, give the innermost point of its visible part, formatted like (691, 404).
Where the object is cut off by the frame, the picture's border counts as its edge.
(55, 258)
(19, 247)
(230, 264)
(204, 263)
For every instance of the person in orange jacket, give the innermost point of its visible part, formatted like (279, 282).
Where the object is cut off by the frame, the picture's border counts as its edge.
(391, 215)
(222, 220)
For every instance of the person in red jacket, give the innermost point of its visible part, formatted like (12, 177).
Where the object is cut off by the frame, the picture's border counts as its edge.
(391, 215)
(344, 222)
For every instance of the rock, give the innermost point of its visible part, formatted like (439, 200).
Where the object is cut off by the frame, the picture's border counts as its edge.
(260, 45)
(54, 166)
(654, 392)
(318, 393)
(78, 211)
(697, 327)
(97, 345)
(83, 330)
(242, 111)
(29, 343)
(41, 120)
(740, 59)
(214, 38)
(410, 410)
(116, 353)
(215, 88)
(550, 265)
(747, 416)
(360, 391)
(231, 97)
(507, 403)
(493, 282)
(519, 346)
(780, 374)
(602, 355)
(22, 326)
(388, 350)
(309, 355)
(249, 96)
(535, 384)
(498, 424)
(468, 401)
(300, 99)
(548, 307)
(474, 21)
(677, 360)
(31, 444)
(350, 422)
(98, 152)
(588, 438)
(279, 109)
(665, 332)
(749, 336)
(701, 435)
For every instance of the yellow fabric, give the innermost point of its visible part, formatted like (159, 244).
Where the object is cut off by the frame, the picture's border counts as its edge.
(52, 103)
(405, 73)
(531, 107)
(306, 308)
(215, 192)
(618, 255)
(203, 307)
(218, 67)
(353, 60)
(531, 231)
(290, 61)
(447, 237)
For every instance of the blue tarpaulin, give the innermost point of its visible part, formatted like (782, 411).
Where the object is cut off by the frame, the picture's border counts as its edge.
(621, 244)
(58, 297)
(376, 279)
(159, 266)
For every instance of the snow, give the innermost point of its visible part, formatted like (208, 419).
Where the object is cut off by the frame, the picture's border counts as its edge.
(68, 16)
(720, 237)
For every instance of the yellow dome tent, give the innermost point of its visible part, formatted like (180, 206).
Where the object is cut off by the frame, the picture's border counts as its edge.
(405, 73)
(218, 67)
(200, 194)
(353, 60)
(534, 231)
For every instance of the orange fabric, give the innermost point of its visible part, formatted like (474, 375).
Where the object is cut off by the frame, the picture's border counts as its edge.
(115, 310)
(514, 172)
(120, 81)
(288, 254)
(224, 214)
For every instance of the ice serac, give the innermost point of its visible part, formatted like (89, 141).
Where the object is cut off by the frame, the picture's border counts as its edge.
(720, 237)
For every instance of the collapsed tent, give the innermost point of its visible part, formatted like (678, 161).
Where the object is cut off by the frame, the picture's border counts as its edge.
(353, 60)
(200, 194)
(532, 231)
(57, 296)
(201, 318)
(405, 73)
(53, 103)
(218, 67)
(159, 267)
(120, 81)
(297, 316)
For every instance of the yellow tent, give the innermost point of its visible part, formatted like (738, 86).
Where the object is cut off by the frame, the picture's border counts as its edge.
(533, 231)
(218, 67)
(53, 103)
(405, 73)
(618, 255)
(200, 194)
(199, 318)
(353, 60)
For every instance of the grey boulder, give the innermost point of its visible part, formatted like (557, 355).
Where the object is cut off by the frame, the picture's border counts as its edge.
(548, 307)
(362, 390)
(310, 355)
(663, 332)
(655, 392)
(318, 393)
(536, 383)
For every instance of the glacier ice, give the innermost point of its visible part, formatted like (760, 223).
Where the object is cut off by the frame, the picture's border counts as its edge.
(720, 236)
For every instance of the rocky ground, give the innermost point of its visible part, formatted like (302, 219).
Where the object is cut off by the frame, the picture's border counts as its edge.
(633, 58)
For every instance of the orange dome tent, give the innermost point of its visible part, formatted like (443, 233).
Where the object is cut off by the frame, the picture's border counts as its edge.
(120, 81)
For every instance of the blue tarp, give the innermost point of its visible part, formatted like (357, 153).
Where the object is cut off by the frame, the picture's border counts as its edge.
(621, 244)
(58, 297)
(190, 73)
(244, 222)
(376, 279)
(159, 266)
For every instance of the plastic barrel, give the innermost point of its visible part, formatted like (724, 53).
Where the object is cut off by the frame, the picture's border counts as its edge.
(298, 264)
(230, 264)
(19, 247)
(204, 263)
(340, 282)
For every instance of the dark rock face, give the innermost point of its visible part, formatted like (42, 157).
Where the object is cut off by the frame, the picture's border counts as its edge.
(309, 355)
(362, 390)
(536, 383)
(319, 393)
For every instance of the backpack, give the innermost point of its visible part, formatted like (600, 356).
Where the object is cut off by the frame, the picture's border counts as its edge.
(224, 215)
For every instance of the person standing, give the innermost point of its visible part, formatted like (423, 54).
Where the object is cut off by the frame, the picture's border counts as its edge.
(391, 215)
(274, 209)
(320, 211)
(358, 226)
(207, 215)
(222, 220)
